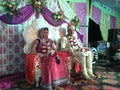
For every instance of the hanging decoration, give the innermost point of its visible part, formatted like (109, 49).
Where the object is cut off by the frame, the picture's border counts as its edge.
(79, 36)
(11, 8)
(57, 16)
(37, 5)
(26, 13)
(47, 14)
(76, 21)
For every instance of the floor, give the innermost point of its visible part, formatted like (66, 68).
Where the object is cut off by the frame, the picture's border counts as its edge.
(109, 79)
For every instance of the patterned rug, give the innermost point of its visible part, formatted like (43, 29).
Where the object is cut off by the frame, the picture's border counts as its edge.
(109, 79)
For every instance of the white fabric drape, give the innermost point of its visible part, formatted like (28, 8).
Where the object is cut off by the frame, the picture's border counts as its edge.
(67, 10)
(105, 25)
(52, 5)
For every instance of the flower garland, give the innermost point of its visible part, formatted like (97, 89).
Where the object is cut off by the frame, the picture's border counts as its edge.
(11, 9)
(57, 16)
(38, 4)
(76, 21)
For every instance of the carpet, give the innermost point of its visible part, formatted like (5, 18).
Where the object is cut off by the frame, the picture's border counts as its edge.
(109, 79)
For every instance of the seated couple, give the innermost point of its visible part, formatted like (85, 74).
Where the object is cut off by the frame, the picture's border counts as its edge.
(54, 72)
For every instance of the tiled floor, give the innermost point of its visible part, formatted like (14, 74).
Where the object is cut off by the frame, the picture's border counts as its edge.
(109, 80)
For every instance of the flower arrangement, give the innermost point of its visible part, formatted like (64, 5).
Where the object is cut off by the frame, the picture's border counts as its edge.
(76, 21)
(11, 9)
(57, 16)
(38, 4)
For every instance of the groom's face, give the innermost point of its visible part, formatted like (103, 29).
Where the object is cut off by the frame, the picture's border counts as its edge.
(71, 31)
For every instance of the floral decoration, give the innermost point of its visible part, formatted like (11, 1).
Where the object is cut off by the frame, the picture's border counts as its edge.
(11, 9)
(57, 16)
(76, 21)
(38, 4)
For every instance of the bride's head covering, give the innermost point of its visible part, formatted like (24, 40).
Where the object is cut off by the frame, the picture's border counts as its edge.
(41, 32)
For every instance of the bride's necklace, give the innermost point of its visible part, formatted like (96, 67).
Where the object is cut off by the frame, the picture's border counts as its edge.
(44, 41)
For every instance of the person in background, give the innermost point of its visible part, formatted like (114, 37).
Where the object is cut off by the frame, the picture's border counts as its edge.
(54, 72)
(93, 48)
(82, 54)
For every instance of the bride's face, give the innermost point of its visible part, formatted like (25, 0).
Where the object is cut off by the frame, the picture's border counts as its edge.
(45, 34)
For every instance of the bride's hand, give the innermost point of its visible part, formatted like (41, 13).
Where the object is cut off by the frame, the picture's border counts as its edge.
(69, 52)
